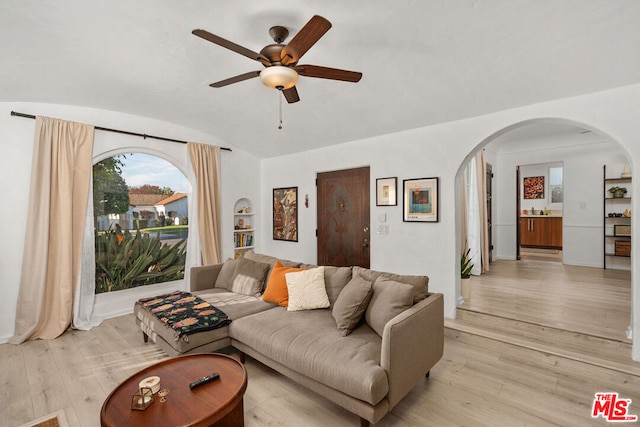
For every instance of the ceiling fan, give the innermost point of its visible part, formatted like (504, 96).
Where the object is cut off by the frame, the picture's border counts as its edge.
(281, 60)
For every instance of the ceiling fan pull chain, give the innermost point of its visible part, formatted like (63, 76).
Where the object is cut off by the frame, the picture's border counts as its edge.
(280, 96)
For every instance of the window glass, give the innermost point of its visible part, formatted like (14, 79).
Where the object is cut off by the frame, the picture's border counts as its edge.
(555, 184)
(141, 221)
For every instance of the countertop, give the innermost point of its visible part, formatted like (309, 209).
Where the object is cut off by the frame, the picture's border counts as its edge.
(541, 216)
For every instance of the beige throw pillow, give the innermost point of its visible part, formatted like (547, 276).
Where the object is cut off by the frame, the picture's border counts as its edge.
(307, 290)
(248, 277)
(351, 304)
(225, 276)
(389, 299)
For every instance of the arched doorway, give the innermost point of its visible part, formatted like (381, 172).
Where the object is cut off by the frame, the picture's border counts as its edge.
(583, 151)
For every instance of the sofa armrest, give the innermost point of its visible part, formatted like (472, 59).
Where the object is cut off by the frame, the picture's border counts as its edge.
(412, 342)
(204, 277)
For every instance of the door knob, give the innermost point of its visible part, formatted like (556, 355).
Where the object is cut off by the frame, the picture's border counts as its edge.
(365, 243)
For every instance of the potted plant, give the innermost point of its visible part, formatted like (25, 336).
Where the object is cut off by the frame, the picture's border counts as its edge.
(465, 274)
(618, 192)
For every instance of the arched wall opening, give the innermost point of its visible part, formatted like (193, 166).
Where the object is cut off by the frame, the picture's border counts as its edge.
(110, 304)
(597, 140)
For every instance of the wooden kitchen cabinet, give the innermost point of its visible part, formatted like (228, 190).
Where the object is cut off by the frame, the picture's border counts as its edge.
(541, 232)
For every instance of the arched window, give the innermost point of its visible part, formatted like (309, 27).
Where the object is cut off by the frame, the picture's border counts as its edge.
(140, 220)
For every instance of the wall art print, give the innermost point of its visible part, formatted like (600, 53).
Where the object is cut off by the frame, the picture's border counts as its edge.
(285, 214)
(533, 187)
(421, 202)
(386, 192)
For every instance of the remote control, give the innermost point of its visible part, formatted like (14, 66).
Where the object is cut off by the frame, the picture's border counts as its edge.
(204, 380)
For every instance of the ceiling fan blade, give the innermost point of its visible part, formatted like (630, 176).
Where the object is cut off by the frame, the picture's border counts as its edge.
(230, 45)
(306, 37)
(291, 95)
(236, 79)
(328, 73)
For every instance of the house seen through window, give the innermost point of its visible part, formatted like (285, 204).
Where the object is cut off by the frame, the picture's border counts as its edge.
(141, 221)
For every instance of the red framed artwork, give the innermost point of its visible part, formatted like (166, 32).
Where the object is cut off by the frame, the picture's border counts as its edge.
(533, 187)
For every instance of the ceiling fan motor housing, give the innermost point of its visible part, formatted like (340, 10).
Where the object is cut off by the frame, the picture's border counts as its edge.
(272, 53)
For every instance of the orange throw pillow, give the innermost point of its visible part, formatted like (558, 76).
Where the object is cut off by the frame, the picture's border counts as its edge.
(276, 290)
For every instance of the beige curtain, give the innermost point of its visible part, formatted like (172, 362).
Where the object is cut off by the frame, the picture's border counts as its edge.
(474, 226)
(205, 160)
(464, 244)
(481, 172)
(60, 179)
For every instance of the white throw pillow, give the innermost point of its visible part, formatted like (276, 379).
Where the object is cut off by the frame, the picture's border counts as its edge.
(307, 290)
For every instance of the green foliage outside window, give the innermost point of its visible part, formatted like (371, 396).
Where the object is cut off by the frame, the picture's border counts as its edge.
(124, 260)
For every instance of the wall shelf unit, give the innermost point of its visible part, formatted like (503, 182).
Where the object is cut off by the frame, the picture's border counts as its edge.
(243, 227)
(617, 220)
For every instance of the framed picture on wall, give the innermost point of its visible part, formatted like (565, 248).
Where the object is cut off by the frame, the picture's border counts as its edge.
(386, 194)
(285, 214)
(420, 200)
(533, 187)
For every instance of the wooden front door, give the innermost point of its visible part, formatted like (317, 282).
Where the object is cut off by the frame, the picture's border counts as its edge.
(343, 217)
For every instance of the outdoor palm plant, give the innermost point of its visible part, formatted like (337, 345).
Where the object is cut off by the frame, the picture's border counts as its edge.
(126, 261)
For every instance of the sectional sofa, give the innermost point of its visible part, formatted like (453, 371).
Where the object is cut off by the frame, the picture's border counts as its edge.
(360, 338)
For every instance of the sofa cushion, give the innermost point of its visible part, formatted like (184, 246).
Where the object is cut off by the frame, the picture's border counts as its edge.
(270, 260)
(420, 283)
(225, 277)
(335, 279)
(351, 304)
(389, 299)
(248, 277)
(309, 343)
(276, 290)
(306, 290)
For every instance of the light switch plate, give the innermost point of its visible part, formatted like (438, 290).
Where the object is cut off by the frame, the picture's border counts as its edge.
(383, 229)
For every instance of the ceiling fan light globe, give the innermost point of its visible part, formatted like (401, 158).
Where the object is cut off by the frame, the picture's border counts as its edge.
(279, 77)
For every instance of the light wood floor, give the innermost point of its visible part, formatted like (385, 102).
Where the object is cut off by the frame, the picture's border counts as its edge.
(478, 382)
(581, 299)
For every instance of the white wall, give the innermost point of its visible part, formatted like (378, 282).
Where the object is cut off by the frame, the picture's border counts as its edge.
(582, 207)
(239, 177)
(433, 248)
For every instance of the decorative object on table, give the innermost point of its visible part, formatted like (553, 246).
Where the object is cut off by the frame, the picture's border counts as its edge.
(163, 395)
(285, 214)
(386, 194)
(142, 399)
(626, 172)
(241, 224)
(151, 382)
(617, 192)
(421, 200)
(533, 187)
(626, 213)
(465, 274)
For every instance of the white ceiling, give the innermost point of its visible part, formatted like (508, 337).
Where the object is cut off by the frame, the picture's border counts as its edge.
(423, 61)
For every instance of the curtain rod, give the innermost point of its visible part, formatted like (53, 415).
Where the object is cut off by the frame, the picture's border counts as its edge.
(143, 135)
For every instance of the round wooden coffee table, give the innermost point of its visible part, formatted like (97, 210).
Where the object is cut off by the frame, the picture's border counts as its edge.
(217, 403)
